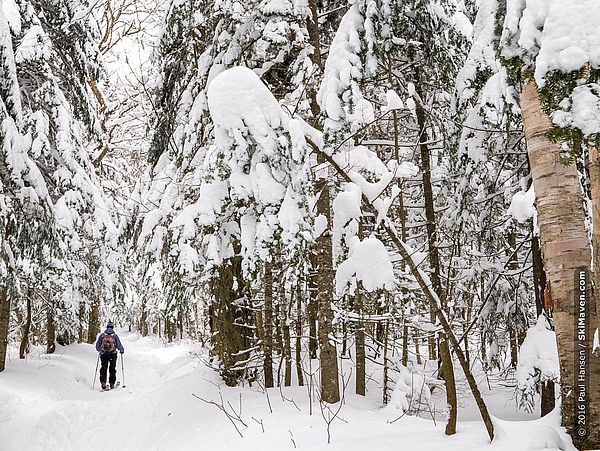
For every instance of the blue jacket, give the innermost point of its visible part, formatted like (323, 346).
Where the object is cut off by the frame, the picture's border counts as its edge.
(117, 341)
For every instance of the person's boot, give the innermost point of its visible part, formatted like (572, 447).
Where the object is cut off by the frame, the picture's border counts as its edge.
(103, 386)
(112, 386)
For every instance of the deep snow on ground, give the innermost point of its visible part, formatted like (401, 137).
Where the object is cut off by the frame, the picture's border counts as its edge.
(47, 403)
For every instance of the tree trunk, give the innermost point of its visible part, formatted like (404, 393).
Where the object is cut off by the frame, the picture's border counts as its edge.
(172, 322)
(311, 310)
(431, 340)
(417, 339)
(180, 323)
(258, 319)
(360, 343)
(359, 306)
(512, 265)
(514, 350)
(386, 377)
(448, 375)
(565, 248)
(314, 36)
(467, 350)
(268, 325)
(465, 331)
(168, 335)
(344, 340)
(81, 336)
(277, 336)
(405, 344)
(24, 348)
(172, 328)
(298, 330)
(548, 397)
(94, 322)
(330, 391)
(447, 369)
(229, 321)
(50, 331)
(285, 332)
(484, 358)
(434, 259)
(144, 319)
(4, 323)
(594, 168)
(403, 235)
(539, 276)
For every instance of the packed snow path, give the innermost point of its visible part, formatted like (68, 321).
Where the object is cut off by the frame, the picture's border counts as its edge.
(47, 403)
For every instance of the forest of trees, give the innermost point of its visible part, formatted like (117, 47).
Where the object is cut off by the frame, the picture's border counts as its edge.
(290, 180)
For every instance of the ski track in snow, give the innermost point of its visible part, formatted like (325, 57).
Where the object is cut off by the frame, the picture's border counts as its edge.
(47, 403)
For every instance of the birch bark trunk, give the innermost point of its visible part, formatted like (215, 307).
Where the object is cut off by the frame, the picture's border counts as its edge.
(595, 189)
(565, 247)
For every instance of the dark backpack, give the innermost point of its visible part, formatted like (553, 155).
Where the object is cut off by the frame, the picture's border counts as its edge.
(108, 344)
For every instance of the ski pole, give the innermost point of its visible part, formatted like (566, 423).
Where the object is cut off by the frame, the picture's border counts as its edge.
(122, 370)
(96, 372)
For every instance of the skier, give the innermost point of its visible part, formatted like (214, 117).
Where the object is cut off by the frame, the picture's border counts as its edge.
(107, 345)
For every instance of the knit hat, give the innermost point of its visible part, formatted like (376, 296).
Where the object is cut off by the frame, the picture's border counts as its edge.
(110, 325)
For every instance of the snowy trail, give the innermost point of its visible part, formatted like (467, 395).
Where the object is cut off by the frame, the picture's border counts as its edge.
(46, 403)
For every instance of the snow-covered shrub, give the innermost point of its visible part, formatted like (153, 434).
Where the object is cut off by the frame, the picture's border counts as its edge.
(412, 392)
(538, 363)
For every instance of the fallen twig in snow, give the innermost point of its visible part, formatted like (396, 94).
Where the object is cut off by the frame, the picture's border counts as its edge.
(283, 398)
(262, 425)
(292, 438)
(262, 386)
(233, 416)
